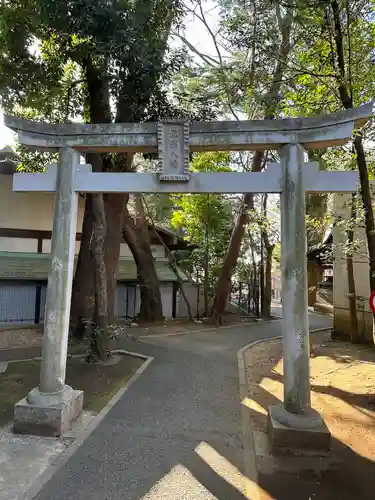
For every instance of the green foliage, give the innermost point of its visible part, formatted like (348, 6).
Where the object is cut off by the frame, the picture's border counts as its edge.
(205, 220)
(86, 61)
(317, 78)
(34, 161)
(44, 69)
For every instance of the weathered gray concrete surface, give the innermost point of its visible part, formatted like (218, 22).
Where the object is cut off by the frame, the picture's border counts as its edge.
(314, 132)
(294, 281)
(268, 181)
(50, 408)
(56, 325)
(22, 459)
(177, 432)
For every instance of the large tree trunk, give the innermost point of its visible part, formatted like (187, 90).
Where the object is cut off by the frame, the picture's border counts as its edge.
(100, 338)
(114, 209)
(266, 267)
(267, 300)
(83, 291)
(136, 236)
(223, 284)
(261, 275)
(84, 281)
(206, 264)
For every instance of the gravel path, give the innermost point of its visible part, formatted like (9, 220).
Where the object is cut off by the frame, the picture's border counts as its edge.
(176, 433)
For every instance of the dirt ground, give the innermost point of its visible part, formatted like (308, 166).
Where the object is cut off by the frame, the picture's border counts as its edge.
(21, 337)
(173, 326)
(343, 391)
(99, 382)
(12, 338)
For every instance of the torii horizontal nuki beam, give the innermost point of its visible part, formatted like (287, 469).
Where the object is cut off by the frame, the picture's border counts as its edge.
(269, 181)
(315, 132)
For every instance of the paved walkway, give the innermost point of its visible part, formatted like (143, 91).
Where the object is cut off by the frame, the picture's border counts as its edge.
(176, 434)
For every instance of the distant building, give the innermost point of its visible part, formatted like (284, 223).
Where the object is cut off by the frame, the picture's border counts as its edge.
(320, 274)
(341, 319)
(25, 245)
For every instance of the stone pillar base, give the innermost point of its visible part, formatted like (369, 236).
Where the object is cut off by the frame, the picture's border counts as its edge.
(288, 431)
(46, 416)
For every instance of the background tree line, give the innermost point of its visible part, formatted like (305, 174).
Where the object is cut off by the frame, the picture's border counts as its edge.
(134, 61)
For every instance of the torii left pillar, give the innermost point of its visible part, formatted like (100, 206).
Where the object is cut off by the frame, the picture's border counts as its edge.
(50, 409)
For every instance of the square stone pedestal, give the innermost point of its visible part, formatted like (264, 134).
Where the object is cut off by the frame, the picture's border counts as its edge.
(301, 432)
(47, 420)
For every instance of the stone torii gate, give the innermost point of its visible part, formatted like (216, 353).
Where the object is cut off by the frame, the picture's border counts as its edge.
(50, 408)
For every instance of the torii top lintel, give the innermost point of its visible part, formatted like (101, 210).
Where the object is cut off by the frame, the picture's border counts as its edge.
(315, 132)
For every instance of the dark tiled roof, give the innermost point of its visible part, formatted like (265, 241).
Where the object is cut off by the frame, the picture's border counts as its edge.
(32, 266)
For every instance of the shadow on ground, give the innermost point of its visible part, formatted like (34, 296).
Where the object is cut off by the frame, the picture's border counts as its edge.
(340, 474)
(176, 435)
(177, 432)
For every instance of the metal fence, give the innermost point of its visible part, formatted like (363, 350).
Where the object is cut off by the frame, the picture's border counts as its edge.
(24, 301)
(246, 295)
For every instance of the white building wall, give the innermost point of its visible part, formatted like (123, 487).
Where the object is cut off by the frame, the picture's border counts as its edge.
(34, 211)
(196, 302)
(342, 209)
(158, 251)
(166, 291)
(47, 246)
(18, 245)
(29, 210)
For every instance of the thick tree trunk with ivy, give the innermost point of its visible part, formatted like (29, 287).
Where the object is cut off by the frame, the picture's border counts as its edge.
(114, 209)
(83, 291)
(100, 347)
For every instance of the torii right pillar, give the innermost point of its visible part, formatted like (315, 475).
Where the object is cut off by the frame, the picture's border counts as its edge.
(294, 424)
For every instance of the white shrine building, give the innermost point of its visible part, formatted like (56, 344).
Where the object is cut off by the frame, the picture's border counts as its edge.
(25, 244)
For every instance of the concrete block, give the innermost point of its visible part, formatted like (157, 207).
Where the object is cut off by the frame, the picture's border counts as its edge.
(301, 432)
(52, 420)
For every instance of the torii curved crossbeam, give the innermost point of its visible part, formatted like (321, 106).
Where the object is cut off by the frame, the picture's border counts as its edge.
(315, 132)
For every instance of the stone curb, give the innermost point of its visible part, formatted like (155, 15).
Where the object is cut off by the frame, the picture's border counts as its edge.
(252, 490)
(81, 436)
